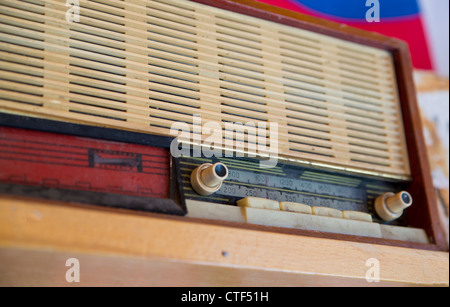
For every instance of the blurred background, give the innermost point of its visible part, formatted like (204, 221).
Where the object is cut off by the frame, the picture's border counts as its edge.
(424, 25)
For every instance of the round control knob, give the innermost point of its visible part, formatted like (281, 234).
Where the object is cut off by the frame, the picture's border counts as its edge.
(207, 178)
(390, 206)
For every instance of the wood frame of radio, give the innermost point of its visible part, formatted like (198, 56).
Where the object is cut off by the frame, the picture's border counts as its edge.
(148, 248)
(424, 212)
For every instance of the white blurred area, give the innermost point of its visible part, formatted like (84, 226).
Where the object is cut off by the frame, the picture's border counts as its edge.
(433, 99)
(436, 23)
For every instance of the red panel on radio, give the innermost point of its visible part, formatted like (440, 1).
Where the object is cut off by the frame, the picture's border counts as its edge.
(44, 159)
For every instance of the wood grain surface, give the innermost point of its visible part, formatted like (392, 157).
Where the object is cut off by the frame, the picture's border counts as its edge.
(53, 227)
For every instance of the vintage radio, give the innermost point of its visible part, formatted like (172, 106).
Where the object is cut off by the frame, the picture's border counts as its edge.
(228, 111)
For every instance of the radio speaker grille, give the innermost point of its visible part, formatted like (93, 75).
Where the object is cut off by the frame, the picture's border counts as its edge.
(142, 65)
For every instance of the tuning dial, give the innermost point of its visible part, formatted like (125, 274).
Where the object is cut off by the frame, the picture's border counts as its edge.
(390, 206)
(208, 178)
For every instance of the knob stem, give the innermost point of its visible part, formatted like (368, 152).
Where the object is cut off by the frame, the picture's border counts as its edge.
(390, 206)
(214, 174)
(399, 202)
(208, 178)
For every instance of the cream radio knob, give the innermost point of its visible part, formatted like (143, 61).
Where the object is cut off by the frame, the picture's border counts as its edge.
(207, 178)
(390, 206)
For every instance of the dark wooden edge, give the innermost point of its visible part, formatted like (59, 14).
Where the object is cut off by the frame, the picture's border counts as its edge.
(81, 130)
(423, 214)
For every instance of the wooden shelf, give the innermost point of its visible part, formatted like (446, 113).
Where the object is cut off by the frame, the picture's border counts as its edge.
(118, 248)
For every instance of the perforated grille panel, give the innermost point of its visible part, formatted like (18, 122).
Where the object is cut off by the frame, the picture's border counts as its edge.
(143, 65)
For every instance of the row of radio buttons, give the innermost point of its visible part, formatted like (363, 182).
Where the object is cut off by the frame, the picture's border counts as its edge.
(388, 206)
(261, 203)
